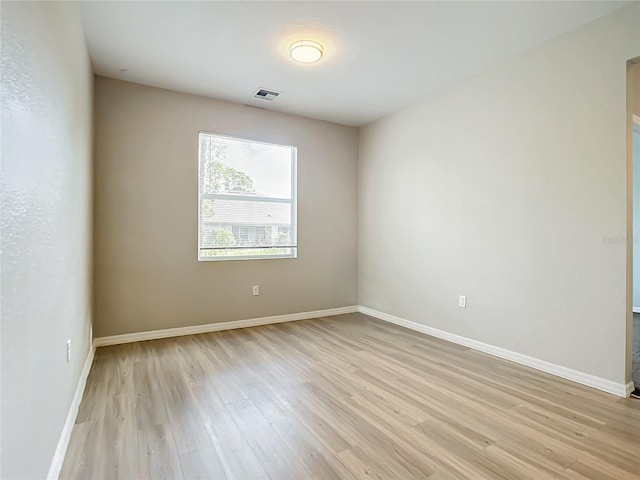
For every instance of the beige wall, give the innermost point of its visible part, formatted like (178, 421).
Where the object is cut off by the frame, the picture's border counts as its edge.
(504, 189)
(46, 227)
(146, 273)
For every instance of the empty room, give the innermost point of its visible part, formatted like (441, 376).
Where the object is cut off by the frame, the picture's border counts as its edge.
(320, 240)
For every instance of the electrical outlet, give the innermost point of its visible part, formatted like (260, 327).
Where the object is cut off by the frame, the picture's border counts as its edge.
(68, 350)
(462, 301)
(256, 290)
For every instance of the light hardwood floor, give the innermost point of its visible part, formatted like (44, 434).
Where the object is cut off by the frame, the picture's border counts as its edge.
(344, 397)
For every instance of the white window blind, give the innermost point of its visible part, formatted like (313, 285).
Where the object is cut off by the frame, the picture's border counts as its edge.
(246, 199)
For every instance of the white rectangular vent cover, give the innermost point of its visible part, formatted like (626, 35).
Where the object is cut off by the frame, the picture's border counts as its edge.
(265, 94)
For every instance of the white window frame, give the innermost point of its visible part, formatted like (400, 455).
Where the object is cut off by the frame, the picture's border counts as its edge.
(293, 225)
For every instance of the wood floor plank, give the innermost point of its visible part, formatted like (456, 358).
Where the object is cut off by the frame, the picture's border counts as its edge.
(345, 397)
(274, 455)
(236, 455)
(202, 464)
(157, 453)
(323, 429)
(76, 464)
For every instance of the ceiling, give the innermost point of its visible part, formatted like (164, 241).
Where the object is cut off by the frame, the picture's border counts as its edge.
(379, 56)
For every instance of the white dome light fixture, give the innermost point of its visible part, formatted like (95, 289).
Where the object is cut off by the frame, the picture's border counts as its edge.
(306, 51)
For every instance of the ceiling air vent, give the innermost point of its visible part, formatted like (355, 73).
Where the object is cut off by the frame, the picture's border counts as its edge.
(265, 94)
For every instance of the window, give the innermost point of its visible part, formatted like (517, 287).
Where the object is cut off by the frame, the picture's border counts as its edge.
(246, 199)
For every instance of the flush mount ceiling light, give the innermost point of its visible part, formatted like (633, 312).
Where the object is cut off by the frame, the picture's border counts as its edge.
(306, 51)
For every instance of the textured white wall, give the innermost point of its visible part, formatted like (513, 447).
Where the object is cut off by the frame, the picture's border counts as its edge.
(46, 228)
(510, 189)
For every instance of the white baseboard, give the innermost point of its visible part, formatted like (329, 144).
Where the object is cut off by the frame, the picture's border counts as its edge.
(630, 388)
(589, 380)
(636, 309)
(215, 327)
(65, 436)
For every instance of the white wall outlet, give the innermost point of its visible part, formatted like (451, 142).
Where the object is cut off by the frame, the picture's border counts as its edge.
(462, 301)
(68, 350)
(256, 290)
